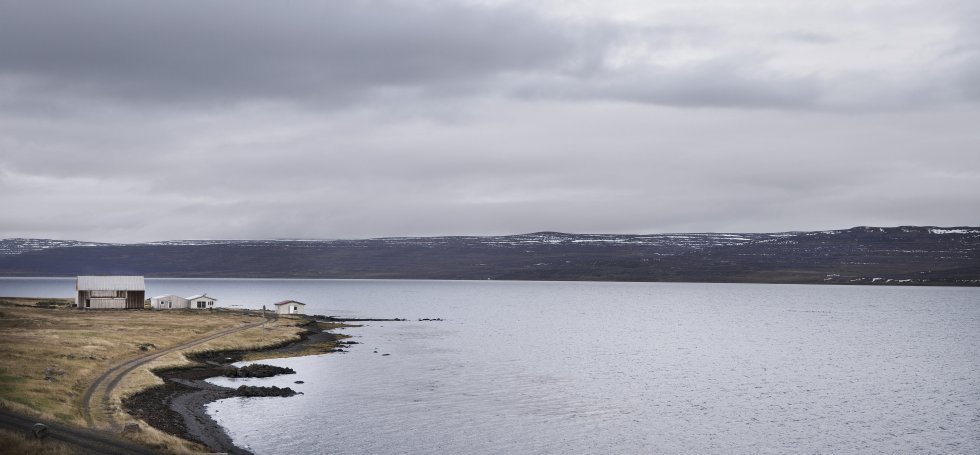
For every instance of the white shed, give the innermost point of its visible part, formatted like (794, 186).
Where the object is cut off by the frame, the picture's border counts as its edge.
(290, 307)
(169, 302)
(201, 302)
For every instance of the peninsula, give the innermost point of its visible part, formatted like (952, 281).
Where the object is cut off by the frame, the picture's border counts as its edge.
(97, 378)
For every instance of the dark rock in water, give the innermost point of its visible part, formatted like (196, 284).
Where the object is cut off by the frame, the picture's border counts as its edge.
(382, 355)
(256, 370)
(298, 382)
(260, 391)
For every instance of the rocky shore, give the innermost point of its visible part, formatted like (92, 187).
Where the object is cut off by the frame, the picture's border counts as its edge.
(179, 405)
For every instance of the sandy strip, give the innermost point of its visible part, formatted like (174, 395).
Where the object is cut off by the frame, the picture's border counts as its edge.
(199, 425)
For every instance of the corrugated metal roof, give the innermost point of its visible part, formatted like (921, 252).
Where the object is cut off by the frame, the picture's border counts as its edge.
(165, 296)
(288, 301)
(200, 296)
(110, 283)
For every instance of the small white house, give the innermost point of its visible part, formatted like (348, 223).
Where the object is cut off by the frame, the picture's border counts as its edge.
(290, 307)
(169, 302)
(201, 302)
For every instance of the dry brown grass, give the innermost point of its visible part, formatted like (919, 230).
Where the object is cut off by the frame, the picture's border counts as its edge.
(76, 346)
(270, 334)
(164, 442)
(14, 442)
(40, 302)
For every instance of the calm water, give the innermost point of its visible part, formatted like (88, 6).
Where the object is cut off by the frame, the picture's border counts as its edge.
(614, 367)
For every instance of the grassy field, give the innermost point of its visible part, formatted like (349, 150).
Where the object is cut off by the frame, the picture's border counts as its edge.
(12, 442)
(49, 354)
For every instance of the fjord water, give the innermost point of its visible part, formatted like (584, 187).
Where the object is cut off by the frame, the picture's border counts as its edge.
(630, 368)
(531, 367)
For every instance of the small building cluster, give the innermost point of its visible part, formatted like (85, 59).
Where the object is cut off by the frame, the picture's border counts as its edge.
(128, 292)
(176, 302)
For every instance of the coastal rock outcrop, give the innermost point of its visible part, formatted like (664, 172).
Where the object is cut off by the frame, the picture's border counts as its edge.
(260, 391)
(256, 370)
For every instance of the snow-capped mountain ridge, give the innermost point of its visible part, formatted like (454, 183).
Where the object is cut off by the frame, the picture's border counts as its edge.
(915, 255)
(21, 245)
(14, 246)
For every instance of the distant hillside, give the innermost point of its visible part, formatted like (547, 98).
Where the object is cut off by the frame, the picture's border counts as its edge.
(17, 246)
(862, 255)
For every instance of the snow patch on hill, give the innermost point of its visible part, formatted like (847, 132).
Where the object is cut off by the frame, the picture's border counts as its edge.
(19, 245)
(953, 231)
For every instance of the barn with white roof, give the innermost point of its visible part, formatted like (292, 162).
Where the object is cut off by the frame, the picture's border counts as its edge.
(108, 292)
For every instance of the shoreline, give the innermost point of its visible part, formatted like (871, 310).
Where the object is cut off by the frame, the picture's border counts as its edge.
(92, 360)
(179, 406)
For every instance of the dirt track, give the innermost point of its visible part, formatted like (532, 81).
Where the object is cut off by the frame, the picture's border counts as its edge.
(87, 441)
(96, 396)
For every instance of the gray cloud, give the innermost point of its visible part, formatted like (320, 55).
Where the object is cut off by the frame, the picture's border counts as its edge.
(367, 118)
(587, 167)
(234, 50)
(807, 37)
(713, 83)
(337, 54)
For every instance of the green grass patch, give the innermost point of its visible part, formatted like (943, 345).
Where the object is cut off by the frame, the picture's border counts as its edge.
(8, 384)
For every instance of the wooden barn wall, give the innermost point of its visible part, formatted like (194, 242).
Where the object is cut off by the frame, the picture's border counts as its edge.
(134, 299)
(107, 303)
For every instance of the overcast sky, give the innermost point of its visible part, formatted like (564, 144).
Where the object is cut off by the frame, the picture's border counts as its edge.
(210, 119)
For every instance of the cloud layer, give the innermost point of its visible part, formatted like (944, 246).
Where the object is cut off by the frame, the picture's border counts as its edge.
(249, 119)
(229, 51)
